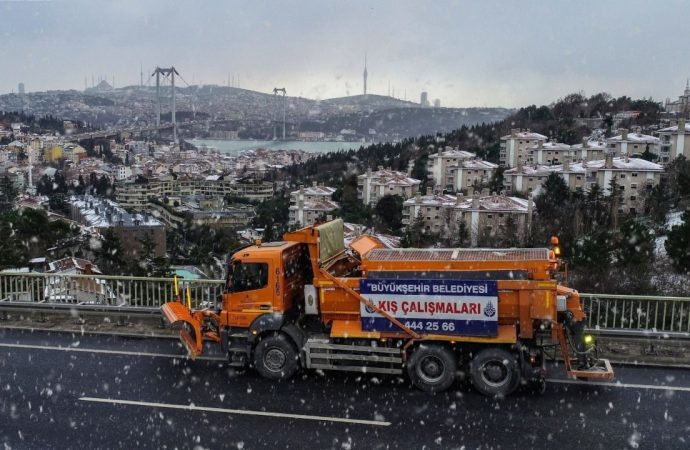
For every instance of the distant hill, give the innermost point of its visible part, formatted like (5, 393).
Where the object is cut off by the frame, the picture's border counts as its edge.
(370, 101)
(252, 111)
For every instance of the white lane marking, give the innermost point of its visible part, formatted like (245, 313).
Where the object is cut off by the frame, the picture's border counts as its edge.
(621, 385)
(107, 352)
(245, 412)
(217, 358)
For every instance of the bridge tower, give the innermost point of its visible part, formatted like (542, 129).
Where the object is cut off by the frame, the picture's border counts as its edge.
(275, 93)
(166, 72)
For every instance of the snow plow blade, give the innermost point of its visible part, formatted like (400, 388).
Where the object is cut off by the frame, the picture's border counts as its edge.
(190, 328)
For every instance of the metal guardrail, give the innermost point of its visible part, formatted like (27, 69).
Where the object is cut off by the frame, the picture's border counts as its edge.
(637, 312)
(101, 290)
(632, 315)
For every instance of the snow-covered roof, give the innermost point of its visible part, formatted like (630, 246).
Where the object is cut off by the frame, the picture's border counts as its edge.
(529, 135)
(550, 146)
(477, 164)
(317, 205)
(597, 145)
(70, 263)
(16, 143)
(431, 200)
(391, 178)
(102, 213)
(674, 129)
(635, 137)
(323, 191)
(498, 203)
(620, 164)
(454, 153)
(536, 171)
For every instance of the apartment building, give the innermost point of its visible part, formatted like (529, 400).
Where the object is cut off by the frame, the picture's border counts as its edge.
(315, 192)
(482, 214)
(631, 144)
(226, 217)
(433, 208)
(308, 205)
(493, 215)
(309, 212)
(132, 229)
(440, 164)
(634, 176)
(674, 142)
(470, 173)
(514, 146)
(682, 105)
(528, 179)
(136, 195)
(372, 186)
(588, 150)
(74, 152)
(548, 153)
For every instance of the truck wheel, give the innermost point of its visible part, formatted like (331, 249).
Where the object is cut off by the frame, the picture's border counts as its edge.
(275, 357)
(432, 367)
(494, 372)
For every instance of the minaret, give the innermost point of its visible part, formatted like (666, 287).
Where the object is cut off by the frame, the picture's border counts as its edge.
(31, 190)
(365, 73)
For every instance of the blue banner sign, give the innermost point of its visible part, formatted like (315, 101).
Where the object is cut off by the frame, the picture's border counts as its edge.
(457, 307)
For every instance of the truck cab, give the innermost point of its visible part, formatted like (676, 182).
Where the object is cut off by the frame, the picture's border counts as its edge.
(265, 279)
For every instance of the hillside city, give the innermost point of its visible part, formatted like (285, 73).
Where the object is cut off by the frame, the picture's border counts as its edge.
(609, 176)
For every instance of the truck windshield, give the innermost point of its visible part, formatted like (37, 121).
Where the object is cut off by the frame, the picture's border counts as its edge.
(248, 276)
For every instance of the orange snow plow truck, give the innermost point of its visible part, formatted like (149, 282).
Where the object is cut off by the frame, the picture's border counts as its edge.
(438, 314)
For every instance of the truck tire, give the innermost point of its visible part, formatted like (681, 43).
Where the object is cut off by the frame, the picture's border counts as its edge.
(432, 368)
(495, 372)
(275, 357)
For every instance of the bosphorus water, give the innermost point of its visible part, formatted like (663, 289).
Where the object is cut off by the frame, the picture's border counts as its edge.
(237, 146)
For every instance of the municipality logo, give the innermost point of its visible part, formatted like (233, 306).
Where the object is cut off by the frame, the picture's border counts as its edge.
(489, 310)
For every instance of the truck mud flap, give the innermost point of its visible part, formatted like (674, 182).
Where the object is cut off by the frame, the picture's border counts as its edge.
(190, 328)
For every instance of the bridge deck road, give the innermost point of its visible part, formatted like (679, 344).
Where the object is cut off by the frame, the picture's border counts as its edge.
(61, 390)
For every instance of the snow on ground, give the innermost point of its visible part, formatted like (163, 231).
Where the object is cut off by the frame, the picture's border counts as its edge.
(672, 219)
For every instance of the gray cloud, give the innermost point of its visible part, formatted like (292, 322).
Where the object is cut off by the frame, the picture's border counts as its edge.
(465, 53)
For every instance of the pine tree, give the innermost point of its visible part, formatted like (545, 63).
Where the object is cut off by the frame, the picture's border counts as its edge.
(678, 244)
(12, 253)
(509, 236)
(496, 182)
(8, 194)
(462, 235)
(633, 245)
(615, 200)
(389, 213)
(657, 203)
(413, 235)
(110, 254)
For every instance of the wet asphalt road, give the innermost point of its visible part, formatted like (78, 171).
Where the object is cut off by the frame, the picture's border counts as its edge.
(59, 390)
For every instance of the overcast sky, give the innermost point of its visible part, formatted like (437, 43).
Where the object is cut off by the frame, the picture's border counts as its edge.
(465, 53)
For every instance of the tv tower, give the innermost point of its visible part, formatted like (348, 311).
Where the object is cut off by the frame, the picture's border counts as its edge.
(365, 73)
